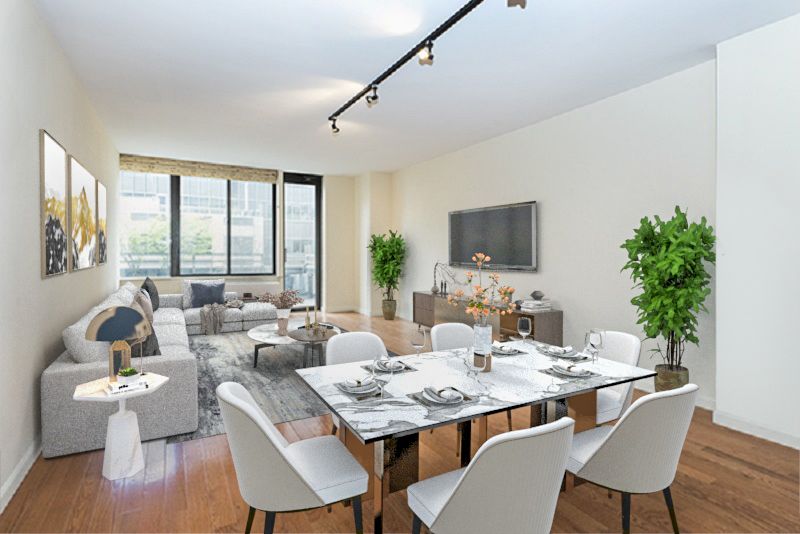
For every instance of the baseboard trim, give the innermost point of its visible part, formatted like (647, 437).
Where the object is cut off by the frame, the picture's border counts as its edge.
(14, 481)
(740, 425)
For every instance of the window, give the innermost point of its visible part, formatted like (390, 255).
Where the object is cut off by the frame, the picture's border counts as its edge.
(144, 224)
(302, 202)
(189, 225)
(203, 226)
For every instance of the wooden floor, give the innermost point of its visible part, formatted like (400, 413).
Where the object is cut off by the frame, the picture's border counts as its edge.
(726, 482)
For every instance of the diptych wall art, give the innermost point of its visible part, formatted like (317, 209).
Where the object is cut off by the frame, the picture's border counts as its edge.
(83, 217)
(102, 225)
(55, 232)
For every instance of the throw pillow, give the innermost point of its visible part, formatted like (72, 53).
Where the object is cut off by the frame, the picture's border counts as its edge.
(142, 298)
(149, 347)
(187, 289)
(151, 289)
(204, 293)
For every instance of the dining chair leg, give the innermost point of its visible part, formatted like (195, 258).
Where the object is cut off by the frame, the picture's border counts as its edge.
(250, 515)
(269, 523)
(416, 526)
(671, 507)
(333, 429)
(626, 513)
(508, 415)
(357, 515)
(458, 441)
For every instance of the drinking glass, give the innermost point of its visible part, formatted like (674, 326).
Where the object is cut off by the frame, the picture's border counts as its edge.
(418, 340)
(524, 327)
(474, 369)
(594, 342)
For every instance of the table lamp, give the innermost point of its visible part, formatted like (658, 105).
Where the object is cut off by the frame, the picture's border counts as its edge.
(117, 325)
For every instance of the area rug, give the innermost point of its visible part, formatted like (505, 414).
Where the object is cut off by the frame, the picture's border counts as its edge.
(280, 392)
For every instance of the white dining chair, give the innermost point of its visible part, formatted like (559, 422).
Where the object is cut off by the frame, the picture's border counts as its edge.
(277, 476)
(614, 400)
(511, 485)
(640, 453)
(449, 336)
(350, 347)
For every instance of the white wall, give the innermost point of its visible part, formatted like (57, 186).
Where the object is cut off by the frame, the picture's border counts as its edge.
(758, 286)
(374, 205)
(340, 288)
(595, 172)
(39, 90)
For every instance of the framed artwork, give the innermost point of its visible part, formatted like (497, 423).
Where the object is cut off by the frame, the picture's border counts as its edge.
(54, 212)
(102, 224)
(83, 216)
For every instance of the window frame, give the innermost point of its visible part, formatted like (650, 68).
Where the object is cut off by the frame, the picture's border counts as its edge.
(316, 181)
(175, 233)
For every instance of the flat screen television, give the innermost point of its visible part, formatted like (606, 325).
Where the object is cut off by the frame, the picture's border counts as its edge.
(506, 233)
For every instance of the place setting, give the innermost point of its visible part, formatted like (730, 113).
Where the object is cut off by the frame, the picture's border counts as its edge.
(444, 397)
(367, 387)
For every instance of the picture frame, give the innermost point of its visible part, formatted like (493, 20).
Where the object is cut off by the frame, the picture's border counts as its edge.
(82, 217)
(54, 206)
(102, 224)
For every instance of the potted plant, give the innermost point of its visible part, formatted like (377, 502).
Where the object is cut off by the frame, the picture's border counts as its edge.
(127, 376)
(388, 254)
(283, 302)
(667, 260)
(484, 302)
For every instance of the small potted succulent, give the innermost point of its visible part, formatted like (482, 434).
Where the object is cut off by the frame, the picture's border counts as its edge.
(128, 375)
(284, 302)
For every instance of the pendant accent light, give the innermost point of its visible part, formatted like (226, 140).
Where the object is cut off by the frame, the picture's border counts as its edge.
(422, 50)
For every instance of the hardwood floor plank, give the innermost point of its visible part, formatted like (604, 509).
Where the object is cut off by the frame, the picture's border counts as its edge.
(726, 482)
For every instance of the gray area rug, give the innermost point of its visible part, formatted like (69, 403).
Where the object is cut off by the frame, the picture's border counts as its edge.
(280, 392)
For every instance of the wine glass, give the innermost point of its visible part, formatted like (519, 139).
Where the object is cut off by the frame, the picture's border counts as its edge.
(524, 327)
(594, 342)
(418, 340)
(475, 364)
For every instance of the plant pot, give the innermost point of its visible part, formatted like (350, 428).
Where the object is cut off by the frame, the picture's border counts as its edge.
(389, 308)
(670, 377)
(128, 380)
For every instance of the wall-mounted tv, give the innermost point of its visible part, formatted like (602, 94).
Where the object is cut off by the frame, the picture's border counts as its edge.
(506, 233)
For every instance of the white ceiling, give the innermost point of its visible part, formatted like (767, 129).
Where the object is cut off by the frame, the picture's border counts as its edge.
(251, 82)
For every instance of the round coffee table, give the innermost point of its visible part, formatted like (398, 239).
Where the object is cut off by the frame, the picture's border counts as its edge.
(266, 336)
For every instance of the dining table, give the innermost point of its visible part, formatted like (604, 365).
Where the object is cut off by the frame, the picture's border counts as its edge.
(382, 429)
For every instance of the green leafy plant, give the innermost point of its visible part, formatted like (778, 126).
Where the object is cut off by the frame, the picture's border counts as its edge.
(667, 260)
(128, 371)
(388, 254)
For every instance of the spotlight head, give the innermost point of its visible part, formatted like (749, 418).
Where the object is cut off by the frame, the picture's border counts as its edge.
(334, 128)
(515, 3)
(425, 54)
(373, 98)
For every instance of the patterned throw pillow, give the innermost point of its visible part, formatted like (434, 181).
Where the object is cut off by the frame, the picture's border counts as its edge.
(151, 289)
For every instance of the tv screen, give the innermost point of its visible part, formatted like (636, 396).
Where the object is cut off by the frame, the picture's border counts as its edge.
(506, 233)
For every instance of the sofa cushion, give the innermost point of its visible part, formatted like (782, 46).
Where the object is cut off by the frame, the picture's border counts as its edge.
(197, 330)
(168, 316)
(172, 334)
(232, 315)
(206, 293)
(152, 290)
(258, 311)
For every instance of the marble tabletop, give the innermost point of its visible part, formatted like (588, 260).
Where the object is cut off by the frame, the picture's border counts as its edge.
(514, 381)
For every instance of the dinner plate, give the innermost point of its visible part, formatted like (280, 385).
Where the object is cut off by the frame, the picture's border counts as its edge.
(454, 400)
(360, 390)
(389, 365)
(498, 350)
(574, 373)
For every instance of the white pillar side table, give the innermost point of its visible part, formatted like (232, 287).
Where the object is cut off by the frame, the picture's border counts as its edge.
(123, 455)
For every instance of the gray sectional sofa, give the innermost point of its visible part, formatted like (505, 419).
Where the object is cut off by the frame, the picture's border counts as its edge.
(70, 426)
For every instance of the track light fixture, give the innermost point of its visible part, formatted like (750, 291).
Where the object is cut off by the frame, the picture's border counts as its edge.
(373, 98)
(425, 54)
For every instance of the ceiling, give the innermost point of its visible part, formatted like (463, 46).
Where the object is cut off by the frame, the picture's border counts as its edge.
(252, 82)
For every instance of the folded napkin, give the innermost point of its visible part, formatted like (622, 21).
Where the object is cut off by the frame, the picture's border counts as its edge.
(359, 382)
(446, 395)
(572, 369)
(504, 348)
(553, 349)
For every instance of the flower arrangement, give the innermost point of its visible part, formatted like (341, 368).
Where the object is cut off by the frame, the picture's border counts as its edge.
(284, 300)
(484, 301)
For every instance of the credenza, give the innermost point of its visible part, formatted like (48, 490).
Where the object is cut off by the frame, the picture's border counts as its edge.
(431, 309)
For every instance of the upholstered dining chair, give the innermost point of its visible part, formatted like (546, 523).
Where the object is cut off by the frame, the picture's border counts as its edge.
(640, 453)
(449, 336)
(277, 476)
(511, 485)
(614, 400)
(350, 347)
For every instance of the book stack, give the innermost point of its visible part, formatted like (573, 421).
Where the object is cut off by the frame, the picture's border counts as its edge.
(115, 388)
(533, 306)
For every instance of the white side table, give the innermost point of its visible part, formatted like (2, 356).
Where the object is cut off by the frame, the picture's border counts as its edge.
(123, 455)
